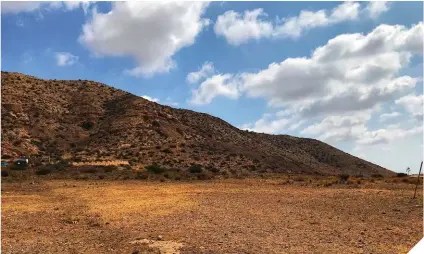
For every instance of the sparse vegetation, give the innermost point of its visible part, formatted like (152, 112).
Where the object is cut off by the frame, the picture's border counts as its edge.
(155, 168)
(401, 175)
(195, 169)
(43, 171)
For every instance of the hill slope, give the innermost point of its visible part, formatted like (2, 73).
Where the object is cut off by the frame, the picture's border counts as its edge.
(89, 120)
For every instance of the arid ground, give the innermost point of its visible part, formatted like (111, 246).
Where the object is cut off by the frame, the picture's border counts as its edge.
(220, 216)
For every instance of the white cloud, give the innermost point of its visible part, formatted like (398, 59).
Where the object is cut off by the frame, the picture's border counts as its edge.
(376, 8)
(150, 98)
(387, 116)
(205, 71)
(413, 104)
(65, 59)
(150, 32)
(217, 85)
(345, 11)
(238, 29)
(14, 7)
(266, 126)
(351, 72)
(387, 135)
(338, 128)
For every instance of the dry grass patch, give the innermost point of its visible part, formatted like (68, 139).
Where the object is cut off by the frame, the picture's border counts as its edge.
(25, 203)
(121, 201)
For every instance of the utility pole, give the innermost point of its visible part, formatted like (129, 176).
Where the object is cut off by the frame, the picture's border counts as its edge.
(418, 179)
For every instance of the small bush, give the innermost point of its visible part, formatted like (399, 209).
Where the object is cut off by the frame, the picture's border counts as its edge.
(87, 125)
(44, 171)
(344, 177)
(252, 168)
(155, 123)
(376, 176)
(195, 169)
(108, 169)
(401, 175)
(6, 156)
(166, 150)
(88, 170)
(155, 168)
(4, 174)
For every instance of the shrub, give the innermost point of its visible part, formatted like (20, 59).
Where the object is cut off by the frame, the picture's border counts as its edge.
(166, 150)
(376, 176)
(4, 174)
(401, 175)
(108, 169)
(87, 125)
(155, 123)
(343, 177)
(195, 169)
(43, 171)
(252, 168)
(155, 168)
(6, 156)
(88, 170)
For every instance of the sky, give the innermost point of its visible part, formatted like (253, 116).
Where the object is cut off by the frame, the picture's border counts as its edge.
(347, 73)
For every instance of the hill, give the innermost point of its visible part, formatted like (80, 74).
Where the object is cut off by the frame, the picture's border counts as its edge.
(84, 120)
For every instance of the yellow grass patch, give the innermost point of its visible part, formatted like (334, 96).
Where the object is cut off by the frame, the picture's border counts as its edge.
(25, 203)
(122, 201)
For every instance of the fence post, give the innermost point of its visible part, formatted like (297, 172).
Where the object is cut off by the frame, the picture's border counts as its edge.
(418, 179)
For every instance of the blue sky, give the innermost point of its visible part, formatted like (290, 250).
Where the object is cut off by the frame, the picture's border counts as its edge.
(323, 70)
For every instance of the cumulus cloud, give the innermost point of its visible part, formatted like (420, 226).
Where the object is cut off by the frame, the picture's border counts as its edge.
(338, 128)
(351, 72)
(150, 98)
(341, 86)
(65, 59)
(205, 71)
(238, 28)
(376, 8)
(149, 32)
(265, 125)
(413, 104)
(217, 85)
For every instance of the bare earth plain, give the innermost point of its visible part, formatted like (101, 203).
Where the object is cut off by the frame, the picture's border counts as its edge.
(219, 216)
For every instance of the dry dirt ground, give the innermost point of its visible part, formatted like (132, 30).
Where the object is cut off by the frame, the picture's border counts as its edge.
(225, 216)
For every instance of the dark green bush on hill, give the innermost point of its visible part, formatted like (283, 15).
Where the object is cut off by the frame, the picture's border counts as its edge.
(155, 168)
(195, 169)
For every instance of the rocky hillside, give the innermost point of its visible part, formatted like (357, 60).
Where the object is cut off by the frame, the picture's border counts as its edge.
(86, 120)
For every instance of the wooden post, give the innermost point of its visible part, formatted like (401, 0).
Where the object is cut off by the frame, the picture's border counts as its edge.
(418, 179)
